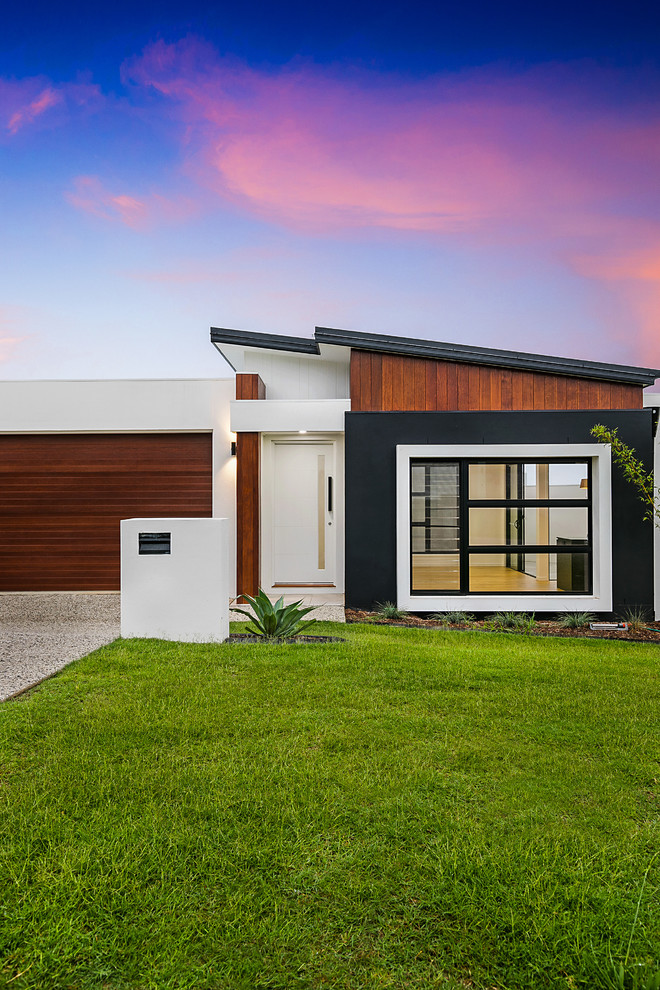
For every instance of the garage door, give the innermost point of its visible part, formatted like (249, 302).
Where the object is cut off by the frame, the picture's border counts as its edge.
(61, 499)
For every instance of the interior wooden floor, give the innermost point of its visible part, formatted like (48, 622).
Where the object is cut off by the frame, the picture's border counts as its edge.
(483, 577)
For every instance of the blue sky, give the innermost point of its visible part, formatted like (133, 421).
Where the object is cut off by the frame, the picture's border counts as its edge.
(476, 173)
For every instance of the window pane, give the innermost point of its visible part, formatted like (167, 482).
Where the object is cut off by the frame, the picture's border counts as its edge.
(518, 526)
(528, 481)
(443, 538)
(436, 572)
(556, 481)
(530, 572)
(569, 481)
(418, 478)
(492, 480)
(434, 507)
(418, 510)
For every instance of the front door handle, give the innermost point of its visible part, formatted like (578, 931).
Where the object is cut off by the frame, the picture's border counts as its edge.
(329, 494)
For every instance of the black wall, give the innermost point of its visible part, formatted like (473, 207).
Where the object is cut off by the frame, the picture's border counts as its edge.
(371, 440)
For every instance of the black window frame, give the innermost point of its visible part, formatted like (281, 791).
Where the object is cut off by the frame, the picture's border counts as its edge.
(465, 504)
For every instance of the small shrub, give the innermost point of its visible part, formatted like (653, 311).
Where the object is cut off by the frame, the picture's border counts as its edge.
(388, 610)
(516, 621)
(525, 621)
(278, 621)
(502, 620)
(636, 618)
(576, 620)
(454, 618)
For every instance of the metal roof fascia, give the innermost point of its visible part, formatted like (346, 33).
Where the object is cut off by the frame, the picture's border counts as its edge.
(489, 356)
(265, 341)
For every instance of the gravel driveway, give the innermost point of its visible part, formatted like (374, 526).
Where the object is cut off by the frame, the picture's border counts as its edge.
(41, 633)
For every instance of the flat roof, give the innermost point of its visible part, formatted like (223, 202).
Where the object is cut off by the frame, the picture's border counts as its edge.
(441, 351)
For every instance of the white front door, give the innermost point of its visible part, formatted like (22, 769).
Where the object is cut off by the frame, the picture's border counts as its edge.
(300, 514)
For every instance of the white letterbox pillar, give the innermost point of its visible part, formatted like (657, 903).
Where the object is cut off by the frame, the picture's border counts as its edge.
(175, 579)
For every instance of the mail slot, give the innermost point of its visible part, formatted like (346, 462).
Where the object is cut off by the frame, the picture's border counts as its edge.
(153, 543)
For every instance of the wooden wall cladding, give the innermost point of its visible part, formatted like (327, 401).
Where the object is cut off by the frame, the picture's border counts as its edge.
(62, 497)
(248, 454)
(250, 387)
(395, 382)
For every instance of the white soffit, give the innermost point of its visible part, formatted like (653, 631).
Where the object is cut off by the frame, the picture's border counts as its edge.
(288, 415)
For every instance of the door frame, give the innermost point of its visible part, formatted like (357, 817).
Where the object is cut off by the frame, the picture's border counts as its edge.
(268, 442)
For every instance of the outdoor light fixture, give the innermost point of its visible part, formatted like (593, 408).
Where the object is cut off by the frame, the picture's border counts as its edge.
(232, 447)
(302, 431)
(584, 483)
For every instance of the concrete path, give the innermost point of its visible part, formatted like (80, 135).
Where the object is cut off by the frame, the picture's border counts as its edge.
(41, 633)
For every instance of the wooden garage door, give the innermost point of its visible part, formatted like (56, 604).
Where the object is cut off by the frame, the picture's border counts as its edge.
(61, 499)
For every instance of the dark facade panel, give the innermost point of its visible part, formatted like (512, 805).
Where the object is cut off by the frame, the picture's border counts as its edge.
(371, 441)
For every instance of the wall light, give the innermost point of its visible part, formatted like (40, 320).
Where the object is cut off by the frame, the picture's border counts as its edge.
(302, 431)
(584, 483)
(232, 446)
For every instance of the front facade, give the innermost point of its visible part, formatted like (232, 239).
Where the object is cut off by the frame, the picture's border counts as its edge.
(470, 476)
(355, 467)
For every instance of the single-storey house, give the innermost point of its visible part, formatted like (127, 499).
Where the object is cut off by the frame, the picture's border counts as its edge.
(353, 466)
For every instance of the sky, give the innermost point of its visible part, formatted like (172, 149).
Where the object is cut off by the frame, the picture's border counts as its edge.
(478, 173)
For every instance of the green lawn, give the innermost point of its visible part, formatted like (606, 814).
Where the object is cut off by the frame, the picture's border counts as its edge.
(408, 809)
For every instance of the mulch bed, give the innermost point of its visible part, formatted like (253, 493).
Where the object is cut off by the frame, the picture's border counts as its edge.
(249, 638)
(543, 627)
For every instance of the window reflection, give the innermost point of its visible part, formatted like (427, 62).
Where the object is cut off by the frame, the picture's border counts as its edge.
(444, 553)
(529, 572)
(545, 480)
(519, 526)
(437, 572)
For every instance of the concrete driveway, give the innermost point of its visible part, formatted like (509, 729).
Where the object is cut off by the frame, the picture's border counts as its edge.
(42, 632)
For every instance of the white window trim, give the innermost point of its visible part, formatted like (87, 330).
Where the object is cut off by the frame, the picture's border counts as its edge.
(601, 598)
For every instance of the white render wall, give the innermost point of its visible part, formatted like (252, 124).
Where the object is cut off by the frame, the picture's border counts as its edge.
(182, 595)
(300, 376)
(133, 406)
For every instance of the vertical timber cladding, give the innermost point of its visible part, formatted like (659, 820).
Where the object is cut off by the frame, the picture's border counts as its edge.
(396, 383)
(248, 493)
(62, 498)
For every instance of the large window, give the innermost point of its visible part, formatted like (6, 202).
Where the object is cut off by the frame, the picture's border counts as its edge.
(512, 526)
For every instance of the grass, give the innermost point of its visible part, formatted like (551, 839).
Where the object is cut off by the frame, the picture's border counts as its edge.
(408, 809)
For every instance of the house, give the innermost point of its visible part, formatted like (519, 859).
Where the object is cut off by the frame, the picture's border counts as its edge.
(356, 466)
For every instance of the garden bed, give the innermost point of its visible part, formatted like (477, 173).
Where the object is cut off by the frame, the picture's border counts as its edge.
(542, 627)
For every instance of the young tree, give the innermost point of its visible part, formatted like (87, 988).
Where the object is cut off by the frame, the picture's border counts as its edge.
(633, 470)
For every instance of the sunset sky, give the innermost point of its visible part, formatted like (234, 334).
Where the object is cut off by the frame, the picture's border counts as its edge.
(479, 173)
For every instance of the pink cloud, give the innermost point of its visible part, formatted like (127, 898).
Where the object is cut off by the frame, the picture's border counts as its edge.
(635, 276)
(25, 101)
(91, 196)
(27, 113)
(537, 161)
(447, 155)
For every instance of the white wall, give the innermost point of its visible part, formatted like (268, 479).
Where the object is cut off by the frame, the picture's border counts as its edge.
(182, 595)
(133, 406)
(299, 376)
(282, 416)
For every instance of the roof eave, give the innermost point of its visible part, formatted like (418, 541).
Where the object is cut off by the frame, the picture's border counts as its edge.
(487, 356)
(266, 341)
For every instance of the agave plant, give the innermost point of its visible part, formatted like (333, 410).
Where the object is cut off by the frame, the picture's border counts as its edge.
(278, 621)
